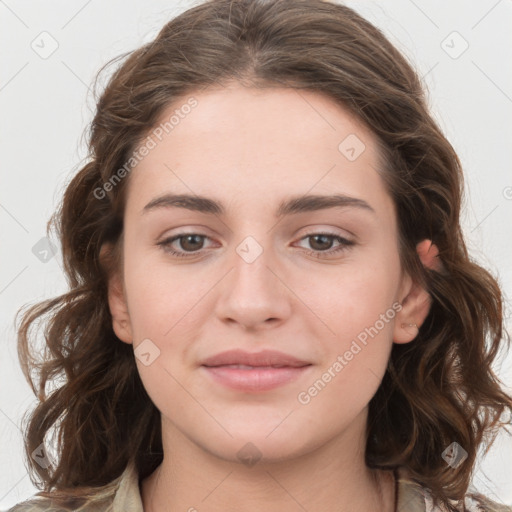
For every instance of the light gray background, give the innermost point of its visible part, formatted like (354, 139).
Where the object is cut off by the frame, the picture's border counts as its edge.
(46, 105)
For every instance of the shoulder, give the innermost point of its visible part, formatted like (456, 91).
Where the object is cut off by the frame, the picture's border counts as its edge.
(120, 495)
(476, 502)
(473, 502)
(47, 504)
(412, 497)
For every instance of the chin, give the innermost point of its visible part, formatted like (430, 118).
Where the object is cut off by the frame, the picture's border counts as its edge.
(255, 440)
(250, 450)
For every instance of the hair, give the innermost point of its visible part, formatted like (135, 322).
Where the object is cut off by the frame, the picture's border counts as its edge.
(437, 390)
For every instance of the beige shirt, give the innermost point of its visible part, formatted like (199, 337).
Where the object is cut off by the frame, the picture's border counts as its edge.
(124, 495)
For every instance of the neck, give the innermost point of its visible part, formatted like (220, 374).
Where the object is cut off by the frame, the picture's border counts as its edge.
(330, 478)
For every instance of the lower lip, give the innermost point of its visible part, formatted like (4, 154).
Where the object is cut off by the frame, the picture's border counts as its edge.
(257, 379)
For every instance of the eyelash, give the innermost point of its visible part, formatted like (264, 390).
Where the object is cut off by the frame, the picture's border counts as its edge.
(345, 245)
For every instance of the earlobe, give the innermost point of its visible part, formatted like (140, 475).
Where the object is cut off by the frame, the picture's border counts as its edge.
(416, 304)
(119, 310)
(415, 309)
(117, 302)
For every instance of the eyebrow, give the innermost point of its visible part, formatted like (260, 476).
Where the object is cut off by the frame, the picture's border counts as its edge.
(293, 205)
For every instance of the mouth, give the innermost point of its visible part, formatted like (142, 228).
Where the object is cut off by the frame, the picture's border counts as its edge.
(254, 372)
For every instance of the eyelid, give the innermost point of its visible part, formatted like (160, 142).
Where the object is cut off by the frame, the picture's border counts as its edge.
(331, 231)
(310, 231)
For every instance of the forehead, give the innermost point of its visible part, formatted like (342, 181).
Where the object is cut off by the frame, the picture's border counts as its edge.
(258, 143)
(297, 116)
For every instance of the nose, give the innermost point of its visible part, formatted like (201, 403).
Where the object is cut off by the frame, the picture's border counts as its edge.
(253, 293)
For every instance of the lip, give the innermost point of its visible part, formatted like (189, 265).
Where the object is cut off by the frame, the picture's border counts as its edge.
(263, 358)
(254, 371)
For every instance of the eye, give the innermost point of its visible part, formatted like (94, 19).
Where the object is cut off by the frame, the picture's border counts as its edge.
(192, 243)
(322, 243)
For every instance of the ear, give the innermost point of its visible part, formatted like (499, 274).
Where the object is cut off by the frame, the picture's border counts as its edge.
(416, 302)
(117, 300)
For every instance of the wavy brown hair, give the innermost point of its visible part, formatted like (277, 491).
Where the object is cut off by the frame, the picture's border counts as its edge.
(439, 389)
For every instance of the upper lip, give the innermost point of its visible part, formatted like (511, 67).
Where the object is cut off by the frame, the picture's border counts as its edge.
(263, 358)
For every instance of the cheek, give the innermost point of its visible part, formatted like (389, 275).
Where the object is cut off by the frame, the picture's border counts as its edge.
(358, 295)
(161, 297)
(163, 307)
(360, 310)
(355, 355)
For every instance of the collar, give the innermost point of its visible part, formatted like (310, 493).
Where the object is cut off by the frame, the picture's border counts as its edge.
(127, 498)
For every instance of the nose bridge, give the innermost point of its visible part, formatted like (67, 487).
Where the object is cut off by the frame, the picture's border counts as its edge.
(251, 274)
(252, 292)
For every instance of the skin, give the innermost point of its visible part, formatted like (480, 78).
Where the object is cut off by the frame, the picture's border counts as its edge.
(251, 149)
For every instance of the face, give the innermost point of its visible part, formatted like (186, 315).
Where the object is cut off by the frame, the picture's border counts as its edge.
(262, 266)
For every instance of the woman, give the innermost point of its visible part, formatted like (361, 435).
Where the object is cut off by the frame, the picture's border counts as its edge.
(271, 303)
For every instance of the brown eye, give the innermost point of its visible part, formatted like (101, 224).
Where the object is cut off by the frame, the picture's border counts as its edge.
(189, 244)
(192, 243)
(321, 242)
